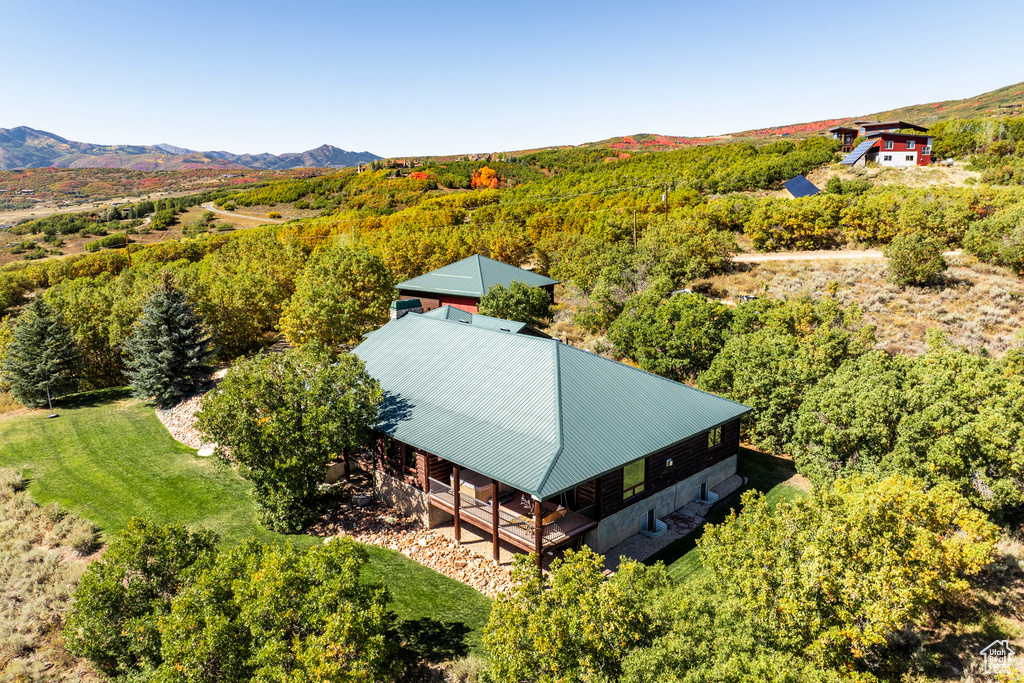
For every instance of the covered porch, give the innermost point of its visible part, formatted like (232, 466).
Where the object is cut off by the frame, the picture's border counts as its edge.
(510, 515)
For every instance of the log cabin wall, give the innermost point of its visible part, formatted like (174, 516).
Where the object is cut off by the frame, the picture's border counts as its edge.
(688, 458)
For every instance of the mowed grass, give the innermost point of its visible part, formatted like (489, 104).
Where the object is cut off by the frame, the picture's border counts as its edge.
(774, 476)
(107, 458)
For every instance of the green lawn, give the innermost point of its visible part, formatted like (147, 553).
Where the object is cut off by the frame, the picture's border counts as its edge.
(764, 472)
(108, 458)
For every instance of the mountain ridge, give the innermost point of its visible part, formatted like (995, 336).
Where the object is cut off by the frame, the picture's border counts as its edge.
(25, 147)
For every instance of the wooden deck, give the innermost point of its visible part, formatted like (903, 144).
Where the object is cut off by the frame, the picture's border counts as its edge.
(513, 528)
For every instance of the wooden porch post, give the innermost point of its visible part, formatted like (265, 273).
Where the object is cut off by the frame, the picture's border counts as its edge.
(494, 521)
(538, 534)
(456, 489)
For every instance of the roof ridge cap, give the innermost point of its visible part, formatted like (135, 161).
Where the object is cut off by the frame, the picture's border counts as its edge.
(558, 417)
(480, 272)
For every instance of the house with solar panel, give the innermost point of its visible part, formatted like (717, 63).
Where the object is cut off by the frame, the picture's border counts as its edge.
(462, 284)
(887, 144)
(533, 442)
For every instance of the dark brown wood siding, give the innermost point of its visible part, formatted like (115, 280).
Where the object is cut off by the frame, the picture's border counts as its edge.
(688, 458)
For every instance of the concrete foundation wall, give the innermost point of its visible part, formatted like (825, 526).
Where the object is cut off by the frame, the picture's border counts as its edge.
(408, 500)
(624, 523)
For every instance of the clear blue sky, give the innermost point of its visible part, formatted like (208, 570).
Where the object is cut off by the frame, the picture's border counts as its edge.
(399, 78)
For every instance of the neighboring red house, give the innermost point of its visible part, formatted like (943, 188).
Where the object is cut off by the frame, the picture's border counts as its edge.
(888, 147)
(462, 284)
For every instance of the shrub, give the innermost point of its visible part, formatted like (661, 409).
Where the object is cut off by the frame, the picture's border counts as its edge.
(915, 259)
(38, 572)
(273, 214)
(123, 595)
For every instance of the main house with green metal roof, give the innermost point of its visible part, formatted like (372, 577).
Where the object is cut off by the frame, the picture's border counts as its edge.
(535, 442)
(462, 284)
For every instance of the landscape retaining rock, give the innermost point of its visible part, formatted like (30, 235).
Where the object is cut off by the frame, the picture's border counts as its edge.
(180, 422)
(380, 526)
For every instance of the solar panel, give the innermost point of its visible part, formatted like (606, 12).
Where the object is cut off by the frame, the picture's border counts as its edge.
(801, 187)
(861, 149)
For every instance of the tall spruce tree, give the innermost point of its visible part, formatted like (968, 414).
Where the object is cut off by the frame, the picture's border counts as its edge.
(42, 355)
(169, 351)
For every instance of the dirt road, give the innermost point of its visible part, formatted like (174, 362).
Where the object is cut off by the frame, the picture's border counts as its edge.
(210, 207)
(817, 255)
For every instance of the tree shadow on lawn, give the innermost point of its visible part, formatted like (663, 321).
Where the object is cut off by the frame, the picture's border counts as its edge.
(92, 399)
(431, 640)
(776, 477)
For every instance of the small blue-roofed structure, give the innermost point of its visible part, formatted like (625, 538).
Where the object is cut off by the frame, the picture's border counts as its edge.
(801, 187)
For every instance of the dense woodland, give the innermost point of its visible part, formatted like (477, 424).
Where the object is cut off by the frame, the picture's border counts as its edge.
(913, 453)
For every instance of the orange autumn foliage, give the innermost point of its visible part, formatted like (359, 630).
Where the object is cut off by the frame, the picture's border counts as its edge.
(485, 177)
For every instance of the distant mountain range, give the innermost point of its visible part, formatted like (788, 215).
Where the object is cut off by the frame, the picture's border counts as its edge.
(25, 147)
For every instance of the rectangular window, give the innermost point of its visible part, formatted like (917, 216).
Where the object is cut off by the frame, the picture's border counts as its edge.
(633, 478)
(910, 144)
(910, 157)
(926, 149)
(887, 157)
(714, 437)
(888, 144)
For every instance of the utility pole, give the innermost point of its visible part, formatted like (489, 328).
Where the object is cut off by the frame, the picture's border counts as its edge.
(664, 198)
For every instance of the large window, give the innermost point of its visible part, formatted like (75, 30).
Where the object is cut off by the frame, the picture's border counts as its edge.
(910, 144)
(714, 437)
(634, 477)
(888, 144)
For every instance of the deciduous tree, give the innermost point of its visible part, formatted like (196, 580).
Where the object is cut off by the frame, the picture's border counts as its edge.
(275, 613)
(518, 301)
(284, 417)
(572, 625)
(341, 294)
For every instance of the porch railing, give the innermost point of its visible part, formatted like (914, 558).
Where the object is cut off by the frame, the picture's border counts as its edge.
(519, 526)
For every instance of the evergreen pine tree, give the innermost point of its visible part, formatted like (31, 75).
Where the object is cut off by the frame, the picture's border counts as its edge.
(169, 351)
(42, 354)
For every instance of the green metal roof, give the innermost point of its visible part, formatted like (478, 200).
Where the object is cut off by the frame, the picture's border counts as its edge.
(458, 315)
(533, 413)
(472, 277)
(405, 304)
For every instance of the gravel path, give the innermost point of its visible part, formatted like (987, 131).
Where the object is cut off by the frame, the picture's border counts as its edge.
(830, 255)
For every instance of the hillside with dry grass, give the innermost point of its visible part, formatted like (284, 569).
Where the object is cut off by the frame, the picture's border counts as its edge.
(43, 552)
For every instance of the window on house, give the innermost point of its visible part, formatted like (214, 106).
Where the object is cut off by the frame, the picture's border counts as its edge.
(714, 437)
(633, 478)
(887, 157)
(926, 149)
(888, 144)
(910, 144)
(910, 157)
